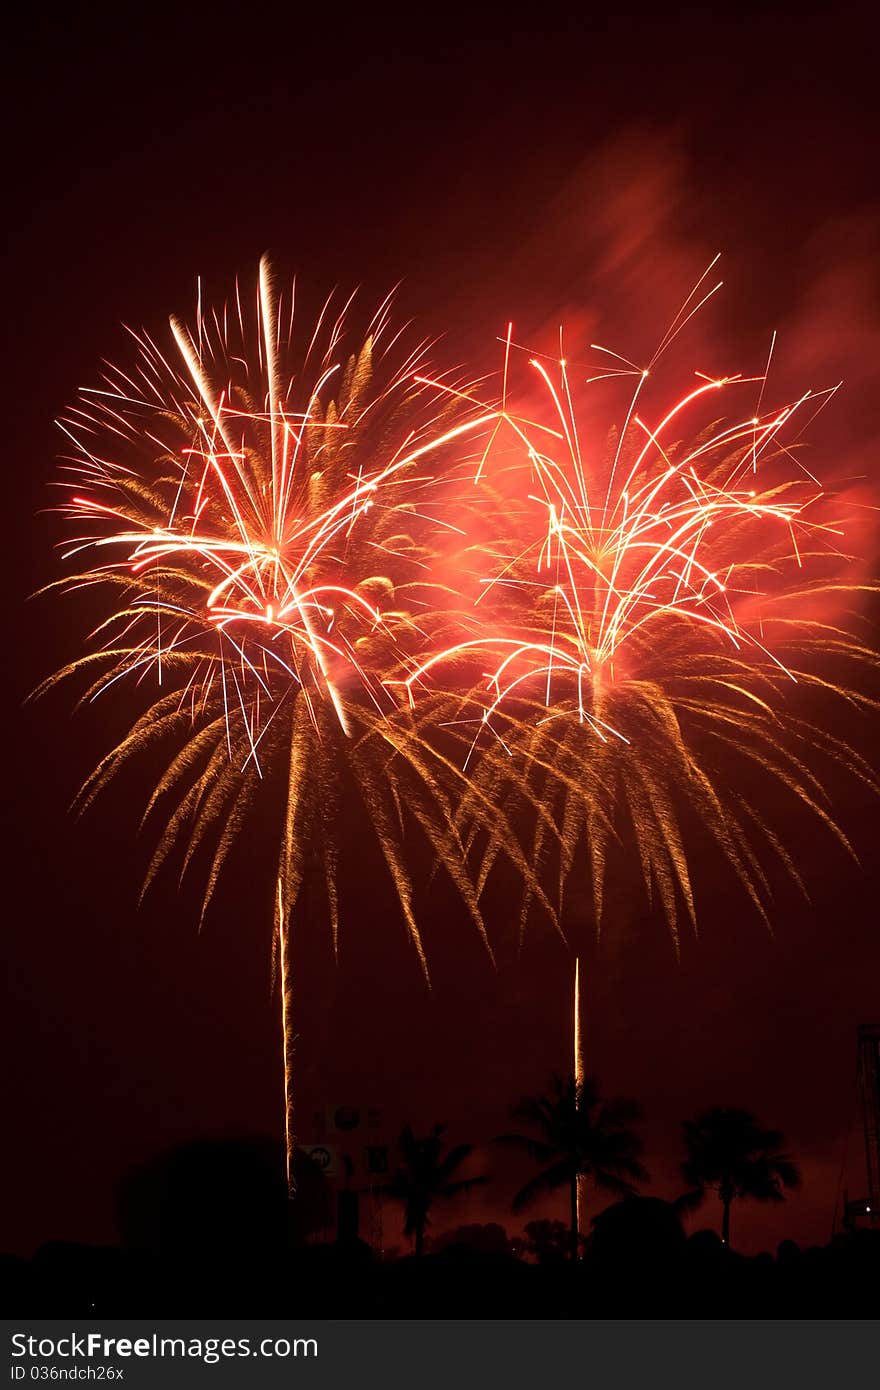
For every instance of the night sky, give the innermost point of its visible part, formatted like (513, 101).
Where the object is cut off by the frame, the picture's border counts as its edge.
(580, 166)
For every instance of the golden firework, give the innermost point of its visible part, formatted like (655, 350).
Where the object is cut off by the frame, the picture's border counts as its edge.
(261, 514)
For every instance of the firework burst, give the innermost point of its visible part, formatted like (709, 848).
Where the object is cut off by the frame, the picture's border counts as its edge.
(278, 528)
(649, 624)
(262, 515)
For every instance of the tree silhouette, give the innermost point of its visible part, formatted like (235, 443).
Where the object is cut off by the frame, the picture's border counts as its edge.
(480, 1238)
(548, 1241)
(424, 1174)
(578, 1135)
(729, 1153)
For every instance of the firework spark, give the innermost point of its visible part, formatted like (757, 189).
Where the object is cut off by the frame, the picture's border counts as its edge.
(271, 521)
(262, 516)
(648, 624)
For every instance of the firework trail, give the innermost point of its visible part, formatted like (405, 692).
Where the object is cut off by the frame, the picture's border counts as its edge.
(579, 1074)
(659, 606)
(261, 515)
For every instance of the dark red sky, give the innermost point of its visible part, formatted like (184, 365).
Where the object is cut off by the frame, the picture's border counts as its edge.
(588, 165)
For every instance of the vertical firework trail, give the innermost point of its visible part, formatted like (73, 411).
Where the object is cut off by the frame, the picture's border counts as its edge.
(287, 1040)
(578, 1061)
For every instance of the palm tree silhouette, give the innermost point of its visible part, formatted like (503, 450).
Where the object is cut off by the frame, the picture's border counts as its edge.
(578, 1135)
(729, 1153)
(424, 1174)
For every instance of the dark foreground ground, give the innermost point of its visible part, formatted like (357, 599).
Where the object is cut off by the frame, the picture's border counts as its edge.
(209, 1231)
(636, 1265)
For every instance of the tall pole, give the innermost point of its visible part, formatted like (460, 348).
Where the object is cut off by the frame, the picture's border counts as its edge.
(578, 1032)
